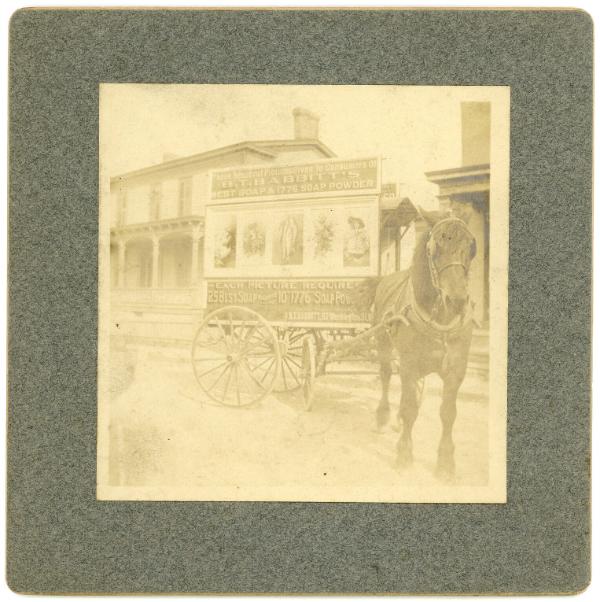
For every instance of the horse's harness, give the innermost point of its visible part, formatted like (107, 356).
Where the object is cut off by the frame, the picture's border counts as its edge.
(412, 314)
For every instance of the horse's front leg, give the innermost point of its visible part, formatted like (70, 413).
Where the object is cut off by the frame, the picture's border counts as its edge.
(382, 413)
(407, 414)
(384, 354)
(445, 462)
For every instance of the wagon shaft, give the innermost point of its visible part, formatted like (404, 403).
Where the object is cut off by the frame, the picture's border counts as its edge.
(334, 350)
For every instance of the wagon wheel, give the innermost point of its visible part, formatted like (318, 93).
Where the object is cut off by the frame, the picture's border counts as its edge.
(235, 356)
(309, 369)
(290, 348)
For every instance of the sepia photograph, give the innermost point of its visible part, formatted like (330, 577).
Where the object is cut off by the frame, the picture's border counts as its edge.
(303, 293)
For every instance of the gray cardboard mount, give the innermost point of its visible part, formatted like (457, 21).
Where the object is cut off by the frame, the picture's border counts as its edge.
(60, 539)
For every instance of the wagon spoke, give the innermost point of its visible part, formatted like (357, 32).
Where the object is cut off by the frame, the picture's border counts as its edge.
(291, 346)
(219, 377)
(285, 362)
(213, 368)
(251, 375)
(254, 343)
(249, 343)
(283, 375)
(261, 370)
(250, 332)
(257, 335)
(297, 337)
(253, 349)
(237, 384)
(262, 363)
(267, 370)
(289, 359)
(226, 388)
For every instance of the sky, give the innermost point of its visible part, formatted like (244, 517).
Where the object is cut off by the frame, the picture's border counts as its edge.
(413, 128)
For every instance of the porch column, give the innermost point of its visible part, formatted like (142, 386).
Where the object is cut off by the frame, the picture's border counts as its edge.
(195, 247)
(155, 255)
(121, 263)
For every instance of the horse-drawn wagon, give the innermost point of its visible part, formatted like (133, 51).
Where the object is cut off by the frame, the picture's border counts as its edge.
(288, 255)
(286, 248)
(292, 263)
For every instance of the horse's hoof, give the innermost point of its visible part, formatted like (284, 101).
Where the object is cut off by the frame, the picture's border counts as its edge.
(403, 462)
(445, 470)
(404, 459)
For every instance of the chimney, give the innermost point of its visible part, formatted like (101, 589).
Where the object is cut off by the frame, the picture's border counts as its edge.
(475, 133)
(306, 125)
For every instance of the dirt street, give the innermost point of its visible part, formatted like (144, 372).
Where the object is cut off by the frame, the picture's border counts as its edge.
(172, 436)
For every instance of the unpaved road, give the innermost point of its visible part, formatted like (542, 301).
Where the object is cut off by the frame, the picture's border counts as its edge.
(165, 433)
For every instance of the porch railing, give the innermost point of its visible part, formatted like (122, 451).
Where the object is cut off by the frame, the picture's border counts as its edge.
(180, 297)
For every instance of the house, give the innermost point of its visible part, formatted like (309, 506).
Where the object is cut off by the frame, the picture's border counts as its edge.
(157, 228)
(157, 237)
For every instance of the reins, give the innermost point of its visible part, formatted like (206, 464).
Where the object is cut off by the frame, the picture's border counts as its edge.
(434, 274)
(410, 313)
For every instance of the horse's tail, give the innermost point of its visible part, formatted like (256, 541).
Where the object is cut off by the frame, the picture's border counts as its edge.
(364, 293)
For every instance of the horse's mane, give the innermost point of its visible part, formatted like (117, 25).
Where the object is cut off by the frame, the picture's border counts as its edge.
(425, 293)
(364, 294)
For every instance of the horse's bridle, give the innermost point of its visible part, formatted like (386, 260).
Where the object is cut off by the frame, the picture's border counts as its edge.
(412, 314)
(434, 270)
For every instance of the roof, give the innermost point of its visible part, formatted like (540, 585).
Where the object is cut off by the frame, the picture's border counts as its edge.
(461, 180)
(466, 171)
(403, 215)
(268, 148)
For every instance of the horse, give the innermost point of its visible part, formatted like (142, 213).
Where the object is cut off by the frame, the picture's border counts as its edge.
(428, 321)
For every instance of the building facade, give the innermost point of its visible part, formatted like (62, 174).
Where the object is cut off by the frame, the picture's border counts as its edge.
(157, 230)
(466, 191)
(158, 213)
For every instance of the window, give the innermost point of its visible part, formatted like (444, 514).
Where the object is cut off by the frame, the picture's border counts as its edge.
(122, 207)
(185, 197)
(155, 198)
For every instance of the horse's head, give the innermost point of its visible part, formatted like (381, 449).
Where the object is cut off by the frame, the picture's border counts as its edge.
(450, 249)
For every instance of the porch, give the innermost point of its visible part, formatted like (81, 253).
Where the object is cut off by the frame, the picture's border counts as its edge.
(157, 285)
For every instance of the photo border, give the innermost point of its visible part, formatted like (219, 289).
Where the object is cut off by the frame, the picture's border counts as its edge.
(61, 540)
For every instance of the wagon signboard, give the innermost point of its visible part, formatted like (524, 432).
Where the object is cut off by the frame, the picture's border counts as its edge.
(306, 301)
(357, 176)
(295, 221)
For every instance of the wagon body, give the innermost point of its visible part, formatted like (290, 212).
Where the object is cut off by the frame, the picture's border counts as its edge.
(285, 248)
